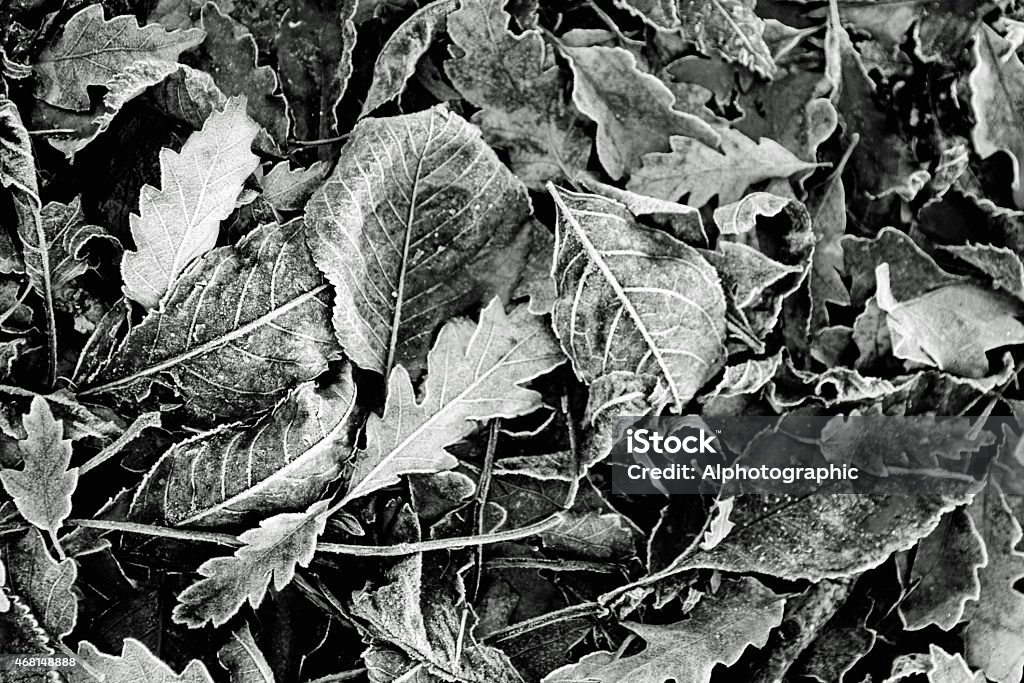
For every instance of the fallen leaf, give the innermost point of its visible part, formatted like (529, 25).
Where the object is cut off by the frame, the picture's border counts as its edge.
(288, 190)
(633, 299)
(474, 374)
(44, 584)
(695, 169)
(92, 48)
(137, 663)
(181, 221)
(404, 228)
(243, 659)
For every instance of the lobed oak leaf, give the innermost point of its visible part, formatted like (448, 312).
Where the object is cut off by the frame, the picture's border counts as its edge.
(232, 337)
(181, 221)
(514, 80)
(407, 229)
(695, 169)
(91, 48)
(281, 463)
(632, 299)
(474, 374)
(42, 488)
(270, 553)
(137, 663)
(632, 109)
(721, 626)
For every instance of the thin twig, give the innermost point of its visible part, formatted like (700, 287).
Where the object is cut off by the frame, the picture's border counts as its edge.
(574, 451)
(581, 611)
(483, 488)
(321, 141)
(558, 565)
(396, 550)
(53, 131)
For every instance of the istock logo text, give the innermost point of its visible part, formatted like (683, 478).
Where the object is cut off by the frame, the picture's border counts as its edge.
(648, 441)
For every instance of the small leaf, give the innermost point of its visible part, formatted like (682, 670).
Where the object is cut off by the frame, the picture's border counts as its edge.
(397, 60)
(232, 337)
(42, 489)
(243, 659)
(474, 374)
(743, 612)
(90, 49)
(405, 229)
(951, 328)
(181, 221)
(633, 110)
(67, 237)
(997, 84)
(994, 639)
(947, 668)
(271, 553)
(281, 463)
(945, 574)
(514, 80)
(720, 524)
(288, 190)
(315, 42)
(136, 663)
(633, 299)
(233, 55)
(702, 172)
(44, 584)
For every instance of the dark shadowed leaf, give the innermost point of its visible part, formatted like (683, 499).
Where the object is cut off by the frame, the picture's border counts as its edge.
(289, 190)
(42, 583)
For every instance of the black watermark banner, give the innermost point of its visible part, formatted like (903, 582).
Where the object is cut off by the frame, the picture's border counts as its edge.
(795, 455)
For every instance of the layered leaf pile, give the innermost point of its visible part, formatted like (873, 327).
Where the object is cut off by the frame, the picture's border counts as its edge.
(319, 320)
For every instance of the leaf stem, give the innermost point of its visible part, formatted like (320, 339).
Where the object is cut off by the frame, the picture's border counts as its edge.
(581, 611)
(320, 141)
(144, 421)
(396, 550)
(483, 488)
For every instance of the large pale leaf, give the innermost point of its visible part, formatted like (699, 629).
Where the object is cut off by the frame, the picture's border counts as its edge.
(742, 612)
(232, 53)
(405, 229)
(136, 663)
(819, 535)
(474, 374)
(633, 299)
(514, 80)
(90, 49)
(44, 584)
(233, 335)
(281, 463)
(181, 220)
(997, 98)
(271, 553)
(397, 60)
(950, 328)
(42, 488)
(994, 639)
(632, 109)
(702, 172)
(945, 574)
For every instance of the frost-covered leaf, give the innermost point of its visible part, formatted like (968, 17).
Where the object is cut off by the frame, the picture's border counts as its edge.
(997, 89)
(397, 60)
(720, 524)
(514, 80)
(181, 220)
(681, 221)
(945, 574)
(270, 554)
(695, 169)
(288, 190)
(315, 42)
(819, 535)
(91, 48)
(633, 110)
(232, 53)
(947, 668)
(136, 663)
(994, 639)
(44, 584)
(632, 299)
(1002, 264)
(281, 463)
(743, 612)
(232, 336)
(42, 488)
(406, 229)
(68, 236)
(244, 661)
(474, 374)
(950, 328)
